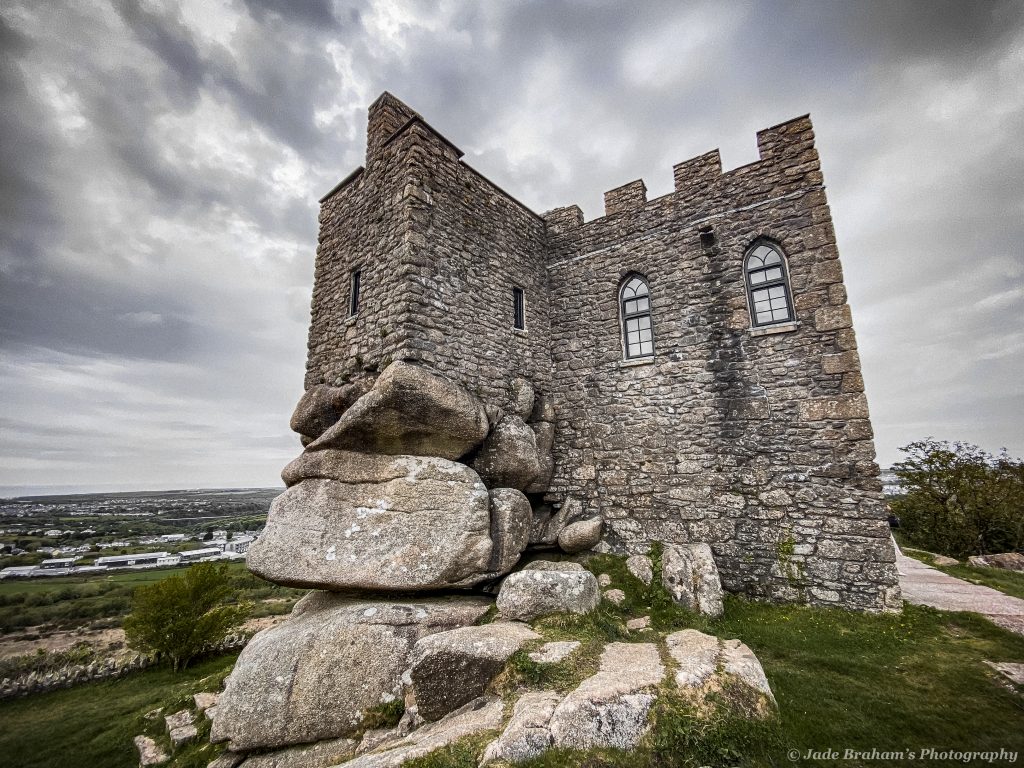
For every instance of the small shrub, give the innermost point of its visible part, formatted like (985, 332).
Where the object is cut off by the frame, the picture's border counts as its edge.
(181, 616)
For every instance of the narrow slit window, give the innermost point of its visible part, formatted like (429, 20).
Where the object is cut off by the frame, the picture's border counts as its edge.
(768, 285)
(637, 329)
(707, 239)
(518, 309)
(353, 292)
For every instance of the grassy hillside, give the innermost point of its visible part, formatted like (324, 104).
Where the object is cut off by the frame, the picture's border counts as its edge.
(842, 680)
(93, 725)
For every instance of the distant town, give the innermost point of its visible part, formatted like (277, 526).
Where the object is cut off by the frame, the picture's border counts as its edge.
(92, 533)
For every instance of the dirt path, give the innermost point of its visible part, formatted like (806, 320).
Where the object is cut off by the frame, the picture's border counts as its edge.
(924, 585)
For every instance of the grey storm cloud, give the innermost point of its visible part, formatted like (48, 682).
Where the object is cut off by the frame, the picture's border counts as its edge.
(161, 161)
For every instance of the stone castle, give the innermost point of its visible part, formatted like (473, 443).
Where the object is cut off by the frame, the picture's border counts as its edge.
(693, 356)
(676, 381)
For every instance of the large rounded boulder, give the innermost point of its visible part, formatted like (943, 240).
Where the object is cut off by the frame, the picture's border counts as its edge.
(359, 521)
(410, 411)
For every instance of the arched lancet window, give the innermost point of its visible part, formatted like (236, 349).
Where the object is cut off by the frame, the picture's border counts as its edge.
(768, 285)
(635, 305)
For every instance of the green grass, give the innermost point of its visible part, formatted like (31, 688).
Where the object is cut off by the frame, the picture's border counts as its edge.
(843, 680)
(1007, 582)
(94, 724)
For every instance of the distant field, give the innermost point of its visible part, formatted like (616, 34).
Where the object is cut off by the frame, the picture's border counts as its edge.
(103, 600)
(127, 578)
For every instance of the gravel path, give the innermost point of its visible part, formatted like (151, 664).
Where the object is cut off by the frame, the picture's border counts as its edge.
(924, 585)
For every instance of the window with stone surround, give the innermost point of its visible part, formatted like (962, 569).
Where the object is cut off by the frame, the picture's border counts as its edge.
(518, 308)
(767, 285)
(635, 307)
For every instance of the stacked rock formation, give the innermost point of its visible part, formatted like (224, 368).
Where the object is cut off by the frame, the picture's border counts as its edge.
(408, 486)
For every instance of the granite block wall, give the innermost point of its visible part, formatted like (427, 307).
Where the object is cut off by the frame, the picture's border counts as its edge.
(440, 248)
(755, 440)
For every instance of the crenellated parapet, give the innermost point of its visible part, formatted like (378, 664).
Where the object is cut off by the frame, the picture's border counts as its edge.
(786, 149)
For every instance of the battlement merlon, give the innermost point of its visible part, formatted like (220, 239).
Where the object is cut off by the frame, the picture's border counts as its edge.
(790, 143)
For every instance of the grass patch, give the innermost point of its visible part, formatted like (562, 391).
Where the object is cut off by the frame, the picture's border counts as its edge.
(384, 715)
(94, 724)
(522, 673)
(890, 681)
(464, 753)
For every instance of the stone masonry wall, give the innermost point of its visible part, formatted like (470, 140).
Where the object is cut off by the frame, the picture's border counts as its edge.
(440, 249)
(757, 443)
(471, 243)
(363, 224)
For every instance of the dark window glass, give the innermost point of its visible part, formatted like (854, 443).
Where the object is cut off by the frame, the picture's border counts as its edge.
(768, 285)
(353, 292)
(518, 309)
(637, 330)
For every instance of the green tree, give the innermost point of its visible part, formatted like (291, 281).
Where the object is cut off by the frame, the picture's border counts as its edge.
(183, 615)
(960, 500)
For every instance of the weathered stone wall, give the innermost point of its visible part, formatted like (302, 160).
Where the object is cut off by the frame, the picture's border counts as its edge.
(757, 443)
(363, 225)
(441, 248)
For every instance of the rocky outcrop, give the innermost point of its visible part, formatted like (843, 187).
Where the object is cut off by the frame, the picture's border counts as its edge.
(181, 728)
(483, 714)
(322, 405)
(528, 733)
(508, 457)
(641, 567)
(740, 662)
(696, 657)
(150, 752)
(314, 676)
(701, 657)
(454, 667)
(548, 523)
(376, 523)
(691, 577)
(411, 410)
(610, 708)
(544, 587)
(522, 398)
(319, 755)
(544, 434)
(1011, 561)
(581, 535)
(511, 516)
(554, 652)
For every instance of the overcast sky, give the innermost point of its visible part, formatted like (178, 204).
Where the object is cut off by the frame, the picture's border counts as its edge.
(161, 164)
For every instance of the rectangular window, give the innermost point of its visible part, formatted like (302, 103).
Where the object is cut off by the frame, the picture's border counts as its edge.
(353, 292)
(518, 309)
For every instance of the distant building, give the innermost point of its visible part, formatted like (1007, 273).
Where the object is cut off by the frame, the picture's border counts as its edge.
(237, 545)
(173, 537)
(195, 555)
(19, 571)
(148, 559)
(59, 562)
